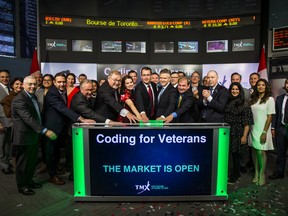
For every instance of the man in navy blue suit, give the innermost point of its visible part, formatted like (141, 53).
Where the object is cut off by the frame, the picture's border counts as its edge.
(280, 132)
(214, 99)
(57, 117)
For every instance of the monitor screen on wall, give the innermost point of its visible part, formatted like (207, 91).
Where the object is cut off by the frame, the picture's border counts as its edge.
(187, 46)
(164, 47)
(82, 45)
(280, 38)
(136, 47)
(217, 46)
(111, 46)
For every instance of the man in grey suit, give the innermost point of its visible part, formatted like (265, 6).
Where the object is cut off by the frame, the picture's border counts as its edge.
(4, 91)
(26, 118)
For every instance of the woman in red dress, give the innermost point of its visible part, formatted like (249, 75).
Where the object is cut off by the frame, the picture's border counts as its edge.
(126, 97)
(71, 88)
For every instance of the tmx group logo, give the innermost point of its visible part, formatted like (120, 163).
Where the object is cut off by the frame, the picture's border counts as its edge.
(147, 187)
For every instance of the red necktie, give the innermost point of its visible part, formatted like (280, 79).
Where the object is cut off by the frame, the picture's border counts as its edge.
(151, 100)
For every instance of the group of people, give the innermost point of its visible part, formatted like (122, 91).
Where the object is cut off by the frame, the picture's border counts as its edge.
(43, 112)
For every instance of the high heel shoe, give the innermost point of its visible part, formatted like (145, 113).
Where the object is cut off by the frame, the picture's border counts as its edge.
(262, 180)
(255, 179)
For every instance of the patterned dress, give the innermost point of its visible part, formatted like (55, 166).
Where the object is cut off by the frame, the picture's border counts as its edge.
(237, 117)
(123, 97)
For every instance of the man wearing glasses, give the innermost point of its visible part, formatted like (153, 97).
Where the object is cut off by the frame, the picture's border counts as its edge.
(108, 97)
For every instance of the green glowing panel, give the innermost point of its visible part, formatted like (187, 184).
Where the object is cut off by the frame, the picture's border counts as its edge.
(78, 162)
(223, 154)
(151, 123)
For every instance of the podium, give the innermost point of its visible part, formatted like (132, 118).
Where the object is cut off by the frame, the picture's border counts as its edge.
(150, 162)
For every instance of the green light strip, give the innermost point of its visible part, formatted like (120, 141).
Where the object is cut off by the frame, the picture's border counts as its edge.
(223, 154)
(78, 162)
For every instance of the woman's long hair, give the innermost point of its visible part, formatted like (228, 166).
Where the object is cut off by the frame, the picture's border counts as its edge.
(255, 94)
(123, 83)
(240, 99)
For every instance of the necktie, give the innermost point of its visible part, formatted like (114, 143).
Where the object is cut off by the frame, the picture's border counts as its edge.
(211, 91)
(151, 100)
(286, 113)
(36, 107)
(116, 95)
(7, 89)
(179, 101)
(63, 95)
(160, 93)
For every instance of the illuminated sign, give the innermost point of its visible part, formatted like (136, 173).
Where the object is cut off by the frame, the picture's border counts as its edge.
(93, 22)
(243, 45)
(137, 163)
(280, 38)
(56, 45)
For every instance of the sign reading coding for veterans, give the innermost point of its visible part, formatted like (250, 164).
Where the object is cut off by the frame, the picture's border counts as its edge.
(149, 162)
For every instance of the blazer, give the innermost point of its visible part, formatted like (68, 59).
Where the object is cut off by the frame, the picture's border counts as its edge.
(142, 99)
(56, 113)
(166, 104)
(79, 104)
(106, 103)
(27, 125)
(185, 110)
(214, 111)
(277, 118)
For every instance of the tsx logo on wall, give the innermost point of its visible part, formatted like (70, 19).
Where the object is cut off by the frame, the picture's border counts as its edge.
(56, 45)
(148, 187)
(243, 45)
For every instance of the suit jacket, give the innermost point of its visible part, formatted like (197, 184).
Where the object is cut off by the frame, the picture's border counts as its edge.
(214, 111)
(56, 113)
(106, 103)
(3, 119)
(142, 99)
(198, 103)
(166, 104)
(277, 118)
(185, 110)
(27, 124)
(85, 108)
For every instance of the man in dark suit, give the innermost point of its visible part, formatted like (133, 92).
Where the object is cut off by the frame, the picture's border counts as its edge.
(280, 132)
(196, 89)
(57, 117)
(4, 121)
(84, 104)
(107, 103)
(214, 99)
(167, 96)
(146, 96)
(27, 129)
(184, 104)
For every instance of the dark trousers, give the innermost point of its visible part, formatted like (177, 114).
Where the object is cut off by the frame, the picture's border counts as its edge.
(281, 142)
(236, 164)
(26, 158)
(52, 151)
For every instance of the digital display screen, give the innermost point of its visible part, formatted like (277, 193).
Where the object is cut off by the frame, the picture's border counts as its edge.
(111, 46)
(94, 22)
(150, 162)
(164, 47)
(56, 45)
(136, 47)
(82, 45)
(217, 46)
(243, 45)
(188, 47)
(280, 38)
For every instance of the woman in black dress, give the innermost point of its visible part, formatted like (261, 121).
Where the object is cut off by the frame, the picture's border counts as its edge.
(239, 115)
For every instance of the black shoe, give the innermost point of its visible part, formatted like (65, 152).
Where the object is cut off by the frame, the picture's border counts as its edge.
(276, 175)
(26, 191)
(8, 171)
(36, 185)
(232, 180)
(243, 170)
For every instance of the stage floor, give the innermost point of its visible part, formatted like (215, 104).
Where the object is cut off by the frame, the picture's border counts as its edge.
(245, 198)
